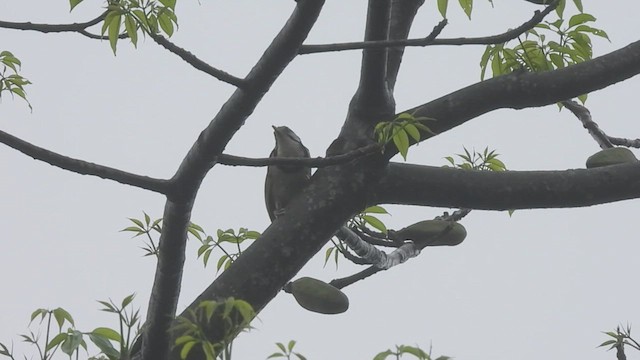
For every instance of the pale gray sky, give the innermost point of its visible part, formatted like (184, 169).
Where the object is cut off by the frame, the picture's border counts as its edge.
(542, 283)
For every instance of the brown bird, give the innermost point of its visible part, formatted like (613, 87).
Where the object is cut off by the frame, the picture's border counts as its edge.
(283, 182)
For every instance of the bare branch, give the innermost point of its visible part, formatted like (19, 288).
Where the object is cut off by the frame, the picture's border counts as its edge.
(52, 28)
(605, 141)
(430, 40)
(317, 162)
(197, 63)
(84, 167)
(373, 87)
(400, 20)
(346, 281)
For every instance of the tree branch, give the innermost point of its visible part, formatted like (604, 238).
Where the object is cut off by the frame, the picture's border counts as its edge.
(196, 62)
(584, 115)
(52, 28)
(317, 162)
(507, 190)
(526, 89)
(157, 341)
(400, 20)
(430, 40)
(605, 141)
(84, 167)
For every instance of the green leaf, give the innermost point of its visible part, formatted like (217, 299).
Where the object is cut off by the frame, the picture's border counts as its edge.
(401, 140)
(56, 341)
(107, 333)
(137, 222)
(39, 312)
(467, 6)
(205, 258)
(375, 222)
(560, 9)
(442, 7)
(607, 343)
(72, 342)
(73, 4)
(413, 131)
(415, 351)
(105, 346)
(383, 355)
(61, 315)
(171, 4)
(276, 355)
(221, 261)
(580, 19)
(184, 352)
(108, 307)
(165, 23)
(114, 31)
(376, 209)
(127, 300)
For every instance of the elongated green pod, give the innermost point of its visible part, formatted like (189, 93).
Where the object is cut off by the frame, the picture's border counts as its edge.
(611, 156)
(318, 296)
(433, 233)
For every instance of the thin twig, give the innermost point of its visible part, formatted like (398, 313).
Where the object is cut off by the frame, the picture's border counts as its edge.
(197, 63)
(430, 40)
(84, 167)
(317, 162)
(604, 141)
(52, 28)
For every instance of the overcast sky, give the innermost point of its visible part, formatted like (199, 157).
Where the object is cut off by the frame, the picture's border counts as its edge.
(542, 283)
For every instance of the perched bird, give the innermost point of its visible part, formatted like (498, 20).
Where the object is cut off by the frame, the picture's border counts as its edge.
(284, 182)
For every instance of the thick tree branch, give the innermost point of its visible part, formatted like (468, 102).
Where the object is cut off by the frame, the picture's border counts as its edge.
(400, 20)
(200, 158)
(373, 100)
(84, 167)
(430, 40)
(196, 62)
(525, 89)
(373, 71)
(448, 187)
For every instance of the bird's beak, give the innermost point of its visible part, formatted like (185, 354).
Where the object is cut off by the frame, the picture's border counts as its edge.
(274, 127)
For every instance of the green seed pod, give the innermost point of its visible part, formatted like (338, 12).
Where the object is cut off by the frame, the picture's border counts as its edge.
(433, 233)
(611, 156)
(318, 296)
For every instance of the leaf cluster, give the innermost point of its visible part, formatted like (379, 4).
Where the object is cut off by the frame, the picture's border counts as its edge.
(147, 16)
(10, 80)
(402, 350)
(485, 161)
(146, 227)
(287, 351)
(230, 237)
(571, 45)
(236, 315)
(400, 129)
(71, 340)
(620, 338)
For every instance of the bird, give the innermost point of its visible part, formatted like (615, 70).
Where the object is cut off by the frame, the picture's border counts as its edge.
(283, 182)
